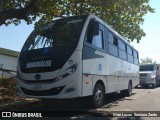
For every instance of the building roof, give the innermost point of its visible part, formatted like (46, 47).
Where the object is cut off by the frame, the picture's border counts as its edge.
(9, 52)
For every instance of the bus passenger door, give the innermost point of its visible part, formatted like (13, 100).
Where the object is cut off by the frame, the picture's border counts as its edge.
(93, 57)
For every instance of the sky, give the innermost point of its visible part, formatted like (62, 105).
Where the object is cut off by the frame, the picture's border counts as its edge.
(13, 37)
(149, 45)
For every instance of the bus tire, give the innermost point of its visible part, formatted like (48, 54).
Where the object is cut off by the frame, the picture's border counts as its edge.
(98, 95)
(127, 92)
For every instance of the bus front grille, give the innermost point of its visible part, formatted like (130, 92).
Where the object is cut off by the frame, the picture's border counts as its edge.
(40, 81)
(53, 91)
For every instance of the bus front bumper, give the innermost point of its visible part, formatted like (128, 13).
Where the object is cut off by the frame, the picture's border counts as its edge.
(47, 90)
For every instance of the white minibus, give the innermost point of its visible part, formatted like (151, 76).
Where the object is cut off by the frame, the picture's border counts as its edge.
(75, 57)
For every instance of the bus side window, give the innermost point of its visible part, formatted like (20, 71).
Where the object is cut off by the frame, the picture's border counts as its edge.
(98, 40)
(115, 41)
(130, 54)
(113, 44)
(135, 55)
(110, 38)
(122, 50)
(95, 40)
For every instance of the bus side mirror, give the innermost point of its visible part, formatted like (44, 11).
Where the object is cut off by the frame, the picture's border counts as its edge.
(96, 28)
(157, 67)
(93, 30)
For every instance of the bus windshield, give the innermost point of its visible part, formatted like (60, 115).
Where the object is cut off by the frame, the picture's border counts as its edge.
(52, 43)
(62, 32)
(147, 68)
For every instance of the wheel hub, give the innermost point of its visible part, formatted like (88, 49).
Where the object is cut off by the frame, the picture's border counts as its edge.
(98, 96)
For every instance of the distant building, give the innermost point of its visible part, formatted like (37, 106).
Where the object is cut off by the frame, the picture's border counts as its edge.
(8, 59)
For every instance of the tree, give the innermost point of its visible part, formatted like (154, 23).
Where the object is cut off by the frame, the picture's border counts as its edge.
(148, 60)
(125, 16)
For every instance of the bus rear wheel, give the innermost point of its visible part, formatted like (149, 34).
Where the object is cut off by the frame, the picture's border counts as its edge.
(127, 92)
(98, 95)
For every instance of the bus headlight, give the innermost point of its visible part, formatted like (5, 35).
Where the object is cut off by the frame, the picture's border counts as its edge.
(68, 71)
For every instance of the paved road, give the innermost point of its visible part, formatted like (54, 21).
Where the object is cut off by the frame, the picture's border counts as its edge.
(141, 100)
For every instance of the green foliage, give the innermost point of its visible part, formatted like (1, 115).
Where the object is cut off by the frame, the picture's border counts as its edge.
(125, 16)
(148, 61)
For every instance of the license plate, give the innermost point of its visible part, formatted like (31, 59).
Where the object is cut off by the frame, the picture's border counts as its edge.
(38, 88)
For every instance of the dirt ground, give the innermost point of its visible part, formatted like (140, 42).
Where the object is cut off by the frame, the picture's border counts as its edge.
(8, 94)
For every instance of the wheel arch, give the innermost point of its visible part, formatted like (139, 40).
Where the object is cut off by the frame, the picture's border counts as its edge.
(100, 82)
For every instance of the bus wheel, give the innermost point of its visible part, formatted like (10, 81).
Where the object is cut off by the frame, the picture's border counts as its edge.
(127, 92)
(98, 96)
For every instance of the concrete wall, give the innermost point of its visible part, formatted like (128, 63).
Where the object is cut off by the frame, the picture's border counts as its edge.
(8, 62)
